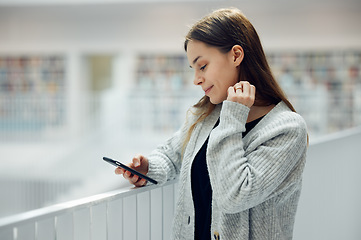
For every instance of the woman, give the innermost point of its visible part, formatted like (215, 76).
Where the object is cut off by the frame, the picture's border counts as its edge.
(241, 152)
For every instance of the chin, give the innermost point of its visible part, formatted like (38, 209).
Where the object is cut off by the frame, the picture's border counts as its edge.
(215, 101)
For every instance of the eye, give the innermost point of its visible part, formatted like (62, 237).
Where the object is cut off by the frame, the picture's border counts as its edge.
(203, 67)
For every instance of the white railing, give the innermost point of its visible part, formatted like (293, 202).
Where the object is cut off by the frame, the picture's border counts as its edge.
(24, 194)
(136, 213)
(328, 208)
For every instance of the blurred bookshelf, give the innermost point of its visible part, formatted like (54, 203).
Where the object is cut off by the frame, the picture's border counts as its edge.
(161, 93)
(32, 96)
(324, 87)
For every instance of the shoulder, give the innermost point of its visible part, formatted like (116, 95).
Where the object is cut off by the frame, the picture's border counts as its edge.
(283, 121)
(289, 118)
(282, 115)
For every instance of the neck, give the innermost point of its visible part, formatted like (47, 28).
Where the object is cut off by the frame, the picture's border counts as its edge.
(258, 111)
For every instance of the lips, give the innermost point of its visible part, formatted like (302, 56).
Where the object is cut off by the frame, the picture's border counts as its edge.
(207, 90)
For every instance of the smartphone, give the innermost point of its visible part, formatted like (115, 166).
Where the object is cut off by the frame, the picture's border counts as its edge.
(118, 164)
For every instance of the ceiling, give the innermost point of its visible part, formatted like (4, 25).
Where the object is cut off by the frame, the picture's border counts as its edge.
(163, 23)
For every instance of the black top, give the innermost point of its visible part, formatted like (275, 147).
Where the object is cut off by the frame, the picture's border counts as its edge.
(202, 189)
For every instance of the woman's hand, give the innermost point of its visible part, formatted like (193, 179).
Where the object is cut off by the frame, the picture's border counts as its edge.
(141, 164)
(242, 92)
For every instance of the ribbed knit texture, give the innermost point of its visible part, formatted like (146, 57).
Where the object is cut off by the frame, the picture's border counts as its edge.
(256, 180)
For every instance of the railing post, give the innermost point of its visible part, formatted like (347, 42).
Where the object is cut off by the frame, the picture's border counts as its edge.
(115, 220)
(98, 221)
(64, 226)
(81, 224)
(7, 233)
(168, 210)
(45, 229)
(130, 218)
(156, 214)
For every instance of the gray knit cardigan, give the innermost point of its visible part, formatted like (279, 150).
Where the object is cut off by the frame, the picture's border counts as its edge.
(256, 180)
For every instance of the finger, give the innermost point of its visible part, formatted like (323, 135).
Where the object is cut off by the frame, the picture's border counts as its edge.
(127, 175)
(231, 90)
(246, 88)
(231, 94)
(238, 88)
(134, 179)
(253, 91)
(119, 170)
(141, 182)
(137, 160)
(243, 82)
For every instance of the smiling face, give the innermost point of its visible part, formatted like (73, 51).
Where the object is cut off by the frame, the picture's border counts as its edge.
(215, 71)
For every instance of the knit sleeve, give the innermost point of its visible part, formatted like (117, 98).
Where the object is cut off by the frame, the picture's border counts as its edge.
(241, 179)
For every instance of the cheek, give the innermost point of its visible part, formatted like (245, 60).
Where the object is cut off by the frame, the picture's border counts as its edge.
(235, 76)
(224, 76)
(230, 78)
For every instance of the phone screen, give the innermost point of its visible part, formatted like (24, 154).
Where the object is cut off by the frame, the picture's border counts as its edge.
(118, 164)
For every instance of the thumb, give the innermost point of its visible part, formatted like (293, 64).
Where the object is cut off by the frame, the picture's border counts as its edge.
(230, 92)
(136, 161)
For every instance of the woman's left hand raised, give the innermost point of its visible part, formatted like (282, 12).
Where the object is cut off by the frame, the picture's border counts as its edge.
(242, 92)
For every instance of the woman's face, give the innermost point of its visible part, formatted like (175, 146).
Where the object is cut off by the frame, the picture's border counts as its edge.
(215, 71)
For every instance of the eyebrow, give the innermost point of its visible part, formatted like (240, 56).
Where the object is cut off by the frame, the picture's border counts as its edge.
(195, 60)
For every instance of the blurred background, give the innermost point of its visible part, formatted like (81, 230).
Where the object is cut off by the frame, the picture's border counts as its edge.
(83, 79)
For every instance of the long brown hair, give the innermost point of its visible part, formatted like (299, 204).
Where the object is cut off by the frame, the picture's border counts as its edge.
(223, 29)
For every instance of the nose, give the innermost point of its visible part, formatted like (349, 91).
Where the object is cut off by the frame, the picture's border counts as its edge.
(198, 79)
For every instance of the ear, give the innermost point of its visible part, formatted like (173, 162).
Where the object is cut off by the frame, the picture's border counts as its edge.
(237, 54)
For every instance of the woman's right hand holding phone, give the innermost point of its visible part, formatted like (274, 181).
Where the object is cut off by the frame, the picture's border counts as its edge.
(140, 164)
